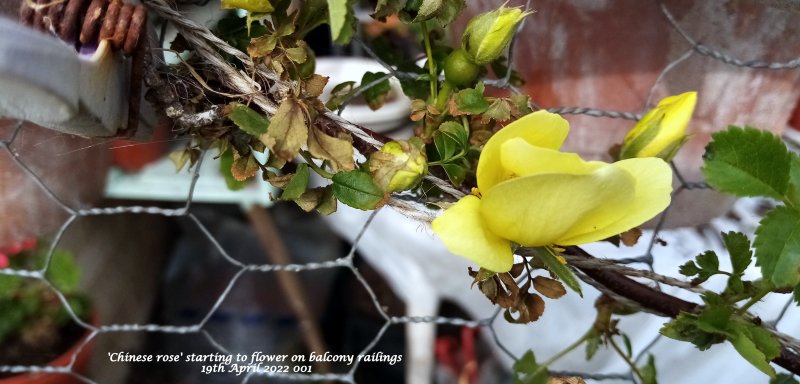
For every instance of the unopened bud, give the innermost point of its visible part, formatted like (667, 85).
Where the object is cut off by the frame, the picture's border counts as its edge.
(488, 34)
(399, 165)
(662, 131)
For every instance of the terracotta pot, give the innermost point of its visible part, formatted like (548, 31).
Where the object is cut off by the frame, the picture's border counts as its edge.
(608, 54)
(81, 362)
(132, 155)
(73, 168)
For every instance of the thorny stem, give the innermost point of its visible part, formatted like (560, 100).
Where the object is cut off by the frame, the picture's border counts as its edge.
(625, 357)
(314, 166)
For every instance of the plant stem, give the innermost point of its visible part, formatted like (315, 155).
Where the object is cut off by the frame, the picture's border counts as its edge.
(568, 349)
(627, 360)
(752, 301)
(434, 80)
(314, 166)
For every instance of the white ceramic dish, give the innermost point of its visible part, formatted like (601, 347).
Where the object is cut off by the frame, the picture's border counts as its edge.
(340, 69)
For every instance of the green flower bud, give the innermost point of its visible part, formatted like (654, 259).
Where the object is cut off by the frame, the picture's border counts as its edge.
(662, 131)
(399, 165)
(488, 34)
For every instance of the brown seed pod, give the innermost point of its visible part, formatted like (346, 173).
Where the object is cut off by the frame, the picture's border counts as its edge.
(121, 30)
(92, 21)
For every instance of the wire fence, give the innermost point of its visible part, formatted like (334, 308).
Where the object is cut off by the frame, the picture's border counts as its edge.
(347, 261)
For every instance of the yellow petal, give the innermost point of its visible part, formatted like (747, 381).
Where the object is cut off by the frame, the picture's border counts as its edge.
(652, 195)
(541, 129)
(462, 230)
(520, 158)
(546, 208)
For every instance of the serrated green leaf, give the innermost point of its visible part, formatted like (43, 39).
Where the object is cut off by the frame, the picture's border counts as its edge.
(288, 129)
(648, 371)
(376, 94)
(793, 192)
(715, 319)
(747, 162)
(342, 20)
(225, 165)
(777, 245)
(298, 184)
(527, 371)
(783, 378)
(247, 119)
(561, 270)
(754, 347)
(450, 139)
(689, 269)
(469, 102)
(708, 260)
(738, 246)
(499, 110)
(356, 189)
(684, 328)
(456, 172)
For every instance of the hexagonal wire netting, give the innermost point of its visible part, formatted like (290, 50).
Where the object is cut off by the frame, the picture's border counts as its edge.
(201, 35)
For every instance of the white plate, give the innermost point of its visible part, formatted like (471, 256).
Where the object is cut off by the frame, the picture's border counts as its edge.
(341, 69)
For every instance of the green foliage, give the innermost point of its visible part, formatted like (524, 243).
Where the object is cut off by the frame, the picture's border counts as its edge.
(27, 303)
(469, 101)
(247, 119)
(648, 371)
(558, 267)
(527, 371)
(225, 167)
(718, 322)
(443, 11)
(375, 95)
(777, 246)
(297, 184)
(342, 20)
(783, 378)
(356, 189)
(747, 162)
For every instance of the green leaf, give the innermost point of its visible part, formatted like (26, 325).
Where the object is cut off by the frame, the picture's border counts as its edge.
(715, 318)
(341, 93)
(648, 371)
(739, 249)
(469, 102)
(527, 371)
(628, 348)
(444, 11)
(499, 110)
(376, 94)
(385, 8)
(455, 172)
(708, 260)
(777, 245)
(356, 189)
(793, 193)
(747, 162)
(298, 184)
(342, 20)
(327, 204)
(560, 269)
(63, 272)
(225, 166)
(689, 269)
(9, 285)
(288, 129)
(450, 139)
(756, 345)
(783, 378)
(247, 119)
(684, 328)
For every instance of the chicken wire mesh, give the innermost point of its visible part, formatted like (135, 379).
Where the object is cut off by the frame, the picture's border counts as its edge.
(7, 144)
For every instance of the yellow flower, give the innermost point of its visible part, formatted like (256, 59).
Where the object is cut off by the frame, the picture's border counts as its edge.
(662, 130)
(534, 195)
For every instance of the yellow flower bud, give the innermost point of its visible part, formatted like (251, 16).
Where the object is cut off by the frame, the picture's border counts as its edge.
(488, 34)
(534, 195)
(662, 131)
(399, 165)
